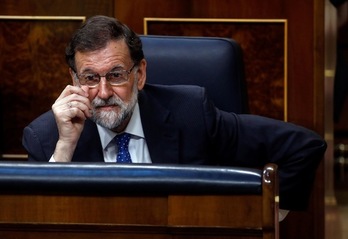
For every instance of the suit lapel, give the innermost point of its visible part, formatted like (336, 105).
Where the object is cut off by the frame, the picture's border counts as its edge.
(89, 147)
(161, 137)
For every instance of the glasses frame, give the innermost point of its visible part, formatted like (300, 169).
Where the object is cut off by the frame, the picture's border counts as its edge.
(77, 79)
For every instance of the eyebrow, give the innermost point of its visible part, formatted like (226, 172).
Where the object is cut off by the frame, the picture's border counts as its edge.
(91, 71)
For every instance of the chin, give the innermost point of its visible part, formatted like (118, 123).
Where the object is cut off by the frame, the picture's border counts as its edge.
(106, 118)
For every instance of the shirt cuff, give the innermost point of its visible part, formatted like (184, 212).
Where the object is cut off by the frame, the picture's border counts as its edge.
(52, 160)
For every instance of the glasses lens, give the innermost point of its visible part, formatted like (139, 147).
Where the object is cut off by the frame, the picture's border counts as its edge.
(89, 79)
(116, 77)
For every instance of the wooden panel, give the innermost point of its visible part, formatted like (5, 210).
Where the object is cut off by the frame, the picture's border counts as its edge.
(133, 12)
(266, 74)
(54, 216)
(119, 232)
(57, 7)
(83, 209)
(31, 49)
(223, 211)
(79, 231)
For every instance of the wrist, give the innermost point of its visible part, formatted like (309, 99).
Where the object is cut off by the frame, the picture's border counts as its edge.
(64, 151)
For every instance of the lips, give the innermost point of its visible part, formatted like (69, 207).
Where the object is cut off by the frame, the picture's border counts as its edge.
(107, 107)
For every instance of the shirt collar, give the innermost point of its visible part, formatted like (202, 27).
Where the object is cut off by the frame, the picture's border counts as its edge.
(134, 128)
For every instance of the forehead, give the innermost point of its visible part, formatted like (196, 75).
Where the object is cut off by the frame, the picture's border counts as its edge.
(115, 53)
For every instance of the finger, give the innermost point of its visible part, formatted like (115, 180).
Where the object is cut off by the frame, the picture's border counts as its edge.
(77, 90)
(75, 113)
(66, 102)
(69, 90)
(80, 106)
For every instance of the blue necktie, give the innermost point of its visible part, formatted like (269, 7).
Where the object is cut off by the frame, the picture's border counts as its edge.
(123, 155)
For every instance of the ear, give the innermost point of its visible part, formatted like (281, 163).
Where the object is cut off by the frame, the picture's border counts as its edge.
(141, 74)
(73, 75)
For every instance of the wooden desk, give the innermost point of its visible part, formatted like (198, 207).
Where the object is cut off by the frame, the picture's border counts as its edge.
(47, 215)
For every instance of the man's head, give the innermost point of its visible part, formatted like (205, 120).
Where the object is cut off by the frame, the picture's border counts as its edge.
(96, 32)
(106, 60)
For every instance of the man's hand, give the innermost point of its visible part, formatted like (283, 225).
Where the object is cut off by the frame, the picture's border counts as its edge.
(70, 110)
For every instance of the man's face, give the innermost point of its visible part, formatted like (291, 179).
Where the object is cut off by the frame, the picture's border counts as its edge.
(112, 105)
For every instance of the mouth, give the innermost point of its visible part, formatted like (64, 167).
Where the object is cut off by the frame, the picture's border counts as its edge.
(106, 107)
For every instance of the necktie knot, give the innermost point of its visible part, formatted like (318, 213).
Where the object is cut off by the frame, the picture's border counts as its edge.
(122, 141)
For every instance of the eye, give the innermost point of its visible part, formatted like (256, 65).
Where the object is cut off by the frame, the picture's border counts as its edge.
(84, 78)
(91, 77)
(115, 74)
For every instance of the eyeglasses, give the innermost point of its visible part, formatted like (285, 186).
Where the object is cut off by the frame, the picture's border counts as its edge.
(114, 77)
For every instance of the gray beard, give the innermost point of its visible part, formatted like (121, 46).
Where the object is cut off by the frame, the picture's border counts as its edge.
(112, 119)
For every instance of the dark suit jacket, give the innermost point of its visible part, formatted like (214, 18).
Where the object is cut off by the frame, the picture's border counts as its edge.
(182, 126)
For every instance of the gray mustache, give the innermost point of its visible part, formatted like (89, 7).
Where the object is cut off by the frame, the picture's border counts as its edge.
(97, 102)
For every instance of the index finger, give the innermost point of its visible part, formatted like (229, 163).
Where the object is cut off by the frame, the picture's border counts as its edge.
(69, 90)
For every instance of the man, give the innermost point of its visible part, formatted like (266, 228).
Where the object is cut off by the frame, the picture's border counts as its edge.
(164, 124)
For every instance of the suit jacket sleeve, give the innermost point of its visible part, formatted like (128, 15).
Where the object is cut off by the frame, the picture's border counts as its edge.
(40, 138)
(253, 141)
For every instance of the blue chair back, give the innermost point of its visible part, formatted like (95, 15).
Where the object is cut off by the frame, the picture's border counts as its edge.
(214, 63)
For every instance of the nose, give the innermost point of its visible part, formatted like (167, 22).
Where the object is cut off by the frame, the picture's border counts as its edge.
(105, 89)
